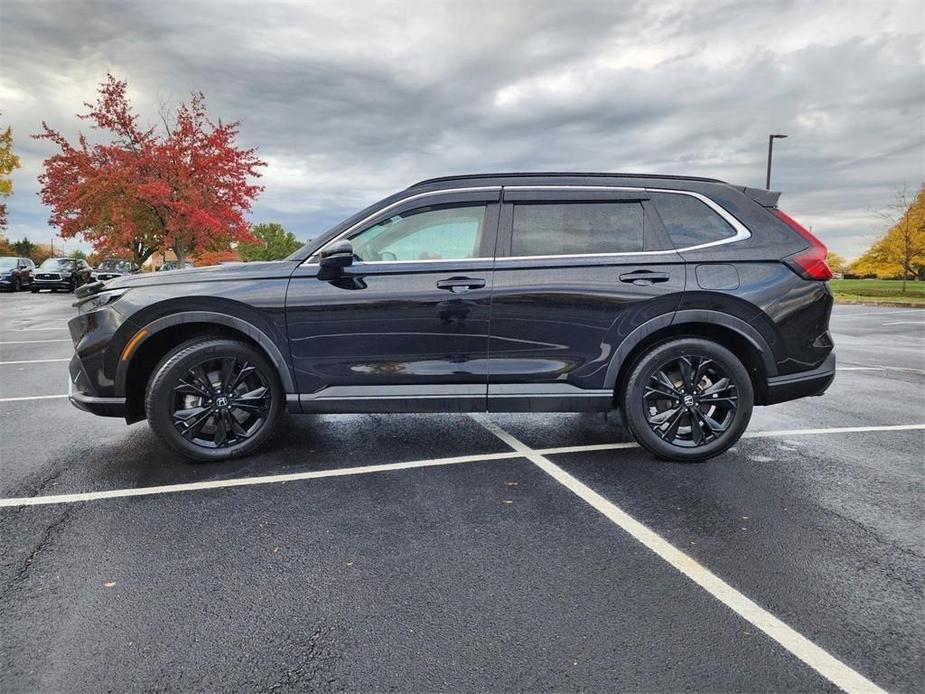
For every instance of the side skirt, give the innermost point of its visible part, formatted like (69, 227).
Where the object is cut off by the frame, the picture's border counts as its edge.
(545, 397)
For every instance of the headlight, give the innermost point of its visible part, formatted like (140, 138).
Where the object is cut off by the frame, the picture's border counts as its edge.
(65, 274)
(94, 302)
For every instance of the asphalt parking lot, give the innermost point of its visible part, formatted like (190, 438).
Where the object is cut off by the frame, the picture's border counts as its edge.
(448, 552)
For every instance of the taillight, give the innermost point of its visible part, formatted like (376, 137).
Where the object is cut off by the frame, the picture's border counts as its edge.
(809, 264)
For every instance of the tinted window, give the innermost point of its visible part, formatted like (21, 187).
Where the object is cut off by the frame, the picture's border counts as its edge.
(426, 233)
(689, 221)
(58, 264)
(577, 228)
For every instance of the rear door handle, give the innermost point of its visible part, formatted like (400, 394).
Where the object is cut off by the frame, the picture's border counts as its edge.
(644, 277)
(458, 285)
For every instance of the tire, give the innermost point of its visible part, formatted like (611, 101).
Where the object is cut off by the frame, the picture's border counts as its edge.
(211, 413)
(681, 428)
(35, 290)
(17, 284)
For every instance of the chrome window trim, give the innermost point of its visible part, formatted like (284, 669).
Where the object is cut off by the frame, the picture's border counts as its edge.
(741, 231)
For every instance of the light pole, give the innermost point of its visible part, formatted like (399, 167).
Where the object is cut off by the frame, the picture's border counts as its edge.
(771, 139)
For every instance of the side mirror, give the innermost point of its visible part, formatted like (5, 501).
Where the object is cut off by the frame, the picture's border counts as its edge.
(338, 254)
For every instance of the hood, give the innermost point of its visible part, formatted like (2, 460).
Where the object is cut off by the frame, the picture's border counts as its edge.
(213, 273)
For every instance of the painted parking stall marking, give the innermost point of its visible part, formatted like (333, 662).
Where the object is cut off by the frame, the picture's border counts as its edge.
(79, 497)
(812, 655)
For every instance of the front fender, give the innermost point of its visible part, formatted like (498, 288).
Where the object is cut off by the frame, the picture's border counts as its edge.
(214, 318)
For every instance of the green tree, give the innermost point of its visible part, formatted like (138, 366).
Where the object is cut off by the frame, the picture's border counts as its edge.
(77, 255)
(273, 243)
(8, 162)
(24, 247)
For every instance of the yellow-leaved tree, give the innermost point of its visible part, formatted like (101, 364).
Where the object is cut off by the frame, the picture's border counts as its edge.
(901, 250)
(836, 262)
(8, 162)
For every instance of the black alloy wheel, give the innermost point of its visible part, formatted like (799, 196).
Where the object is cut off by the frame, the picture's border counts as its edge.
(213, 399)
(688, 399)
(220, 402)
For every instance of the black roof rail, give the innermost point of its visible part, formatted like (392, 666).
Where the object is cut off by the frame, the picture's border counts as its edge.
(547, 174)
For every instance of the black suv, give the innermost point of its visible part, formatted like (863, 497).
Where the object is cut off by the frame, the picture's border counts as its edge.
(61, 273)
(15, 273)
(681, 301)
(111, 268)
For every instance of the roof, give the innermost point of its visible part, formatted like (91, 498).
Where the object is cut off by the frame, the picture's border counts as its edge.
(557, 174)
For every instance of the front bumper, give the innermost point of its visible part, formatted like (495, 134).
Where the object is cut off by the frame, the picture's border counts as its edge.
(51, 284)
(802, 384)
(77, 387)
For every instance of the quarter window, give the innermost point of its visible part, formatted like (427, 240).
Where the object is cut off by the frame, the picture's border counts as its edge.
(689, 221)
(577, 228)
(426, 233)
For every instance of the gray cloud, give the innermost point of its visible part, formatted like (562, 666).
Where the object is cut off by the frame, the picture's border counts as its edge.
(350, 101)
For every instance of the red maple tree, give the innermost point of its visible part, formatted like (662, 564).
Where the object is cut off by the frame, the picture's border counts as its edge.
(143, 191)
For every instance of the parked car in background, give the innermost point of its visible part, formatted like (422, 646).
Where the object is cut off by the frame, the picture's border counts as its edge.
(174, 265)
(15, 273)
(681, 301)
(61, 273)
(111, 268)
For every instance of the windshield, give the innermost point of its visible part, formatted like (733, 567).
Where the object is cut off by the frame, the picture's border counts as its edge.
(7, 263)
(58, 264)
(114, 266)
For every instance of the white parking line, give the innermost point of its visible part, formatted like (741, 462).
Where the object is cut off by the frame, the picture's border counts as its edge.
(781, 433)
(32, 361)
(269, 479)
(23, 330)
(33, 397)
(249, 481)
(815, 657)
(904, 322)
(874, 367)
(30, 342)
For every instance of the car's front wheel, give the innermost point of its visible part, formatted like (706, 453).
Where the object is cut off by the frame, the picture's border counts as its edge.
(688, 399)
(214, 399)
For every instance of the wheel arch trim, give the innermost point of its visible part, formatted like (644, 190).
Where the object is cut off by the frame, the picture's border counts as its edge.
(679, 318)
(256, 334)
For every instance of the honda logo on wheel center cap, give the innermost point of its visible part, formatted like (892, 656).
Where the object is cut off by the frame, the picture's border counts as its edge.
(688, 400)
(221, 401)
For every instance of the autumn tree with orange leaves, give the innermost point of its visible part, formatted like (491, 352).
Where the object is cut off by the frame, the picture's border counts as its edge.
(142, 190)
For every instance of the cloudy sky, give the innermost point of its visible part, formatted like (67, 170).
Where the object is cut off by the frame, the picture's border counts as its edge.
(348, 101)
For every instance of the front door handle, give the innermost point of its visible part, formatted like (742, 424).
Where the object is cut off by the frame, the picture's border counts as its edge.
(644, 277)
(458, 285)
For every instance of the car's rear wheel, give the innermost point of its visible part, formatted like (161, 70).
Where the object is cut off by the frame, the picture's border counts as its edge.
(688, 399)
(214, 399)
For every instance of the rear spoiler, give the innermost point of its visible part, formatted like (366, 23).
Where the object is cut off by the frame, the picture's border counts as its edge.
(765, 198)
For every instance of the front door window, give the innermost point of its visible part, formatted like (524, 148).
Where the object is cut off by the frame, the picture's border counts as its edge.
(422, 234)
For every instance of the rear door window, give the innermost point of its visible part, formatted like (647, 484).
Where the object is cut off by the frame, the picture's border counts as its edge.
(690, 222)
(578, 228)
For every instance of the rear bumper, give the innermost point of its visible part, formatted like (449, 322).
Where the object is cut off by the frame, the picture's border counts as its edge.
(803, 384)
(104, 407)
